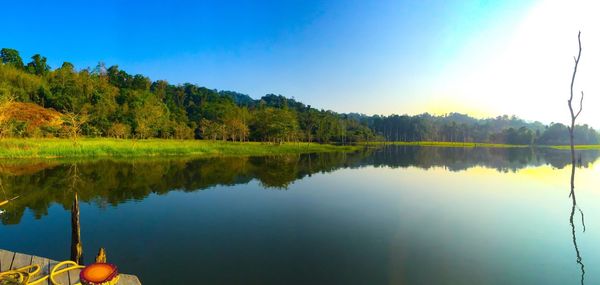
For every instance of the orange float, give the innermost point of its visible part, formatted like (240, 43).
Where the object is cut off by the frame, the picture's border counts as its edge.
(99, 274)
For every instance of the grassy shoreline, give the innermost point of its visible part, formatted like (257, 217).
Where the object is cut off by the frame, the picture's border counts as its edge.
(105, 147)
(447, 144)
(472, 145)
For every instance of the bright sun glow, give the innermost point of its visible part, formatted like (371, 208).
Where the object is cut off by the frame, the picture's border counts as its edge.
(526, 70)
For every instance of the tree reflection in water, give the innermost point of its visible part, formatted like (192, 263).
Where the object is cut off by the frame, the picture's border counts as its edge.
(112, 181)
(573, 207)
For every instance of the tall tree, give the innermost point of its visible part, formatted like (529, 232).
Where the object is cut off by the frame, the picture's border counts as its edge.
(11, 57)
(74, 124)
(38, 65)
(151, 116)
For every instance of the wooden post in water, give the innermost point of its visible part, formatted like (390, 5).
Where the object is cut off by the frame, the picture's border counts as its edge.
(76, 245)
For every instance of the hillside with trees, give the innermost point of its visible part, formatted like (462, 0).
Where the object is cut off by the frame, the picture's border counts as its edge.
(38, 101)
(456, 127)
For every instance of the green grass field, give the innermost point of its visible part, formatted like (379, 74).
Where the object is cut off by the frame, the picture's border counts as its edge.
(580, 147)
(471, 144)
(104, 147)
(447, 144)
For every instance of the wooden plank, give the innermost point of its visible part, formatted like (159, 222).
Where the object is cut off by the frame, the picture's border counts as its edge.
(128, 280)
(6, 258)
(74, 276)
(44, 268)
(62, 278)
(21, 260)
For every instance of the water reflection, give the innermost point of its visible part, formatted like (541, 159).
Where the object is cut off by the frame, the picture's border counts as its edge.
(375, 225)
(458, 159)
(573, 207)
(110, 182)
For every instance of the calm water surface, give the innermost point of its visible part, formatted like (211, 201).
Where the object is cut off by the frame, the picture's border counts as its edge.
(396, 215)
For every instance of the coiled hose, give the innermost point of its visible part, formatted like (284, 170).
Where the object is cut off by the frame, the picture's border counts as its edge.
(27, 275)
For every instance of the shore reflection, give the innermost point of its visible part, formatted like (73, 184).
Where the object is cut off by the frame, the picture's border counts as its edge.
(111, 182)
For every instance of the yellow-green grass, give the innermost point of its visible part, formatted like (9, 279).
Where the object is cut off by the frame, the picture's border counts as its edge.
(447, 144)
(581, 147)
(473, 144)
(104, 147)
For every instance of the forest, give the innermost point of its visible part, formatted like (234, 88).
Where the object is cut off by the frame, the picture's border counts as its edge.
(39, 101)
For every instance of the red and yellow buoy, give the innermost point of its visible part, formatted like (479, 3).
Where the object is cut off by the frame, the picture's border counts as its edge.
(99, 274)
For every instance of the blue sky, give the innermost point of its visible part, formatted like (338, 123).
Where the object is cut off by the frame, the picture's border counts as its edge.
(374, 57)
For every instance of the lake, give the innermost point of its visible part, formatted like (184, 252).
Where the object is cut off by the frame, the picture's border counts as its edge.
(393, 215)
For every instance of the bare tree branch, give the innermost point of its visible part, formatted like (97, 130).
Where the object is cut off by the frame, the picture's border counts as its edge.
(575, 71)
(573, 115)
(580, 106)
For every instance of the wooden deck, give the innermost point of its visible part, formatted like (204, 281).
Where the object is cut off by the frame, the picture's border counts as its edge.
(11, 260)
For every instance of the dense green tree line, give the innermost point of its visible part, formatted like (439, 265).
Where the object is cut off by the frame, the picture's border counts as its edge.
(456, 127)
(107, 101)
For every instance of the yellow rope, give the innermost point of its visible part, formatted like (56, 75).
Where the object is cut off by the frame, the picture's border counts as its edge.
(2, 203)
(22, 276)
